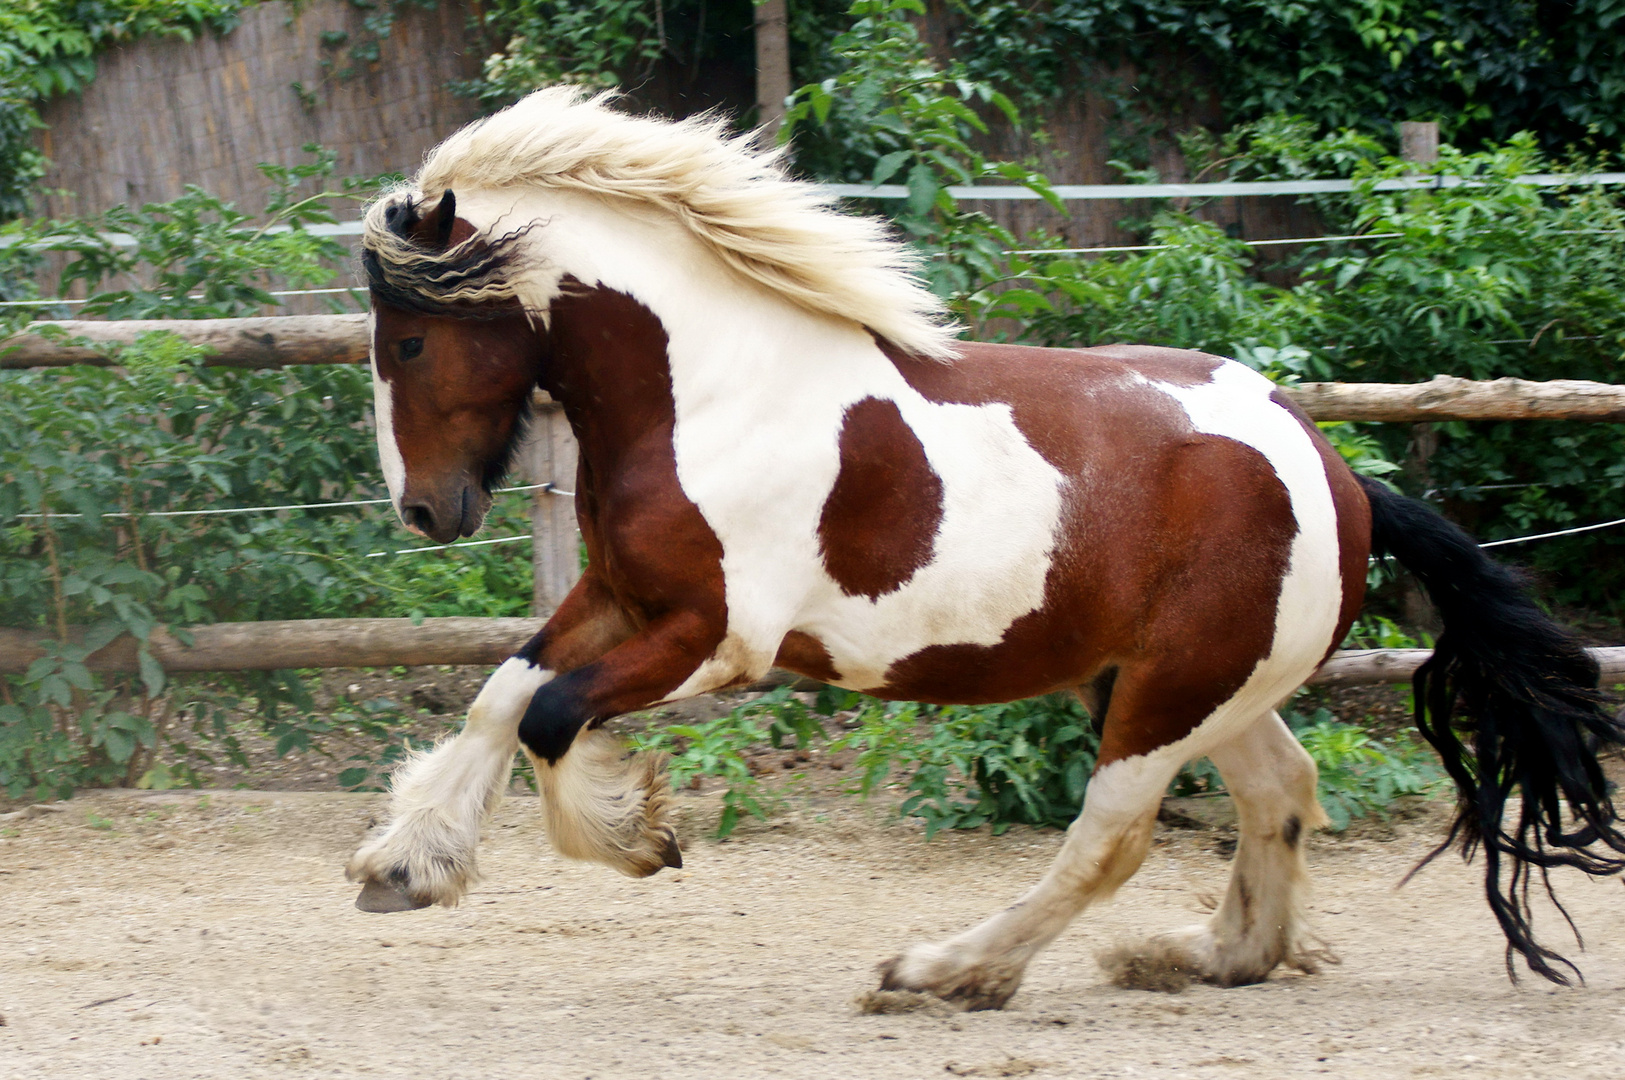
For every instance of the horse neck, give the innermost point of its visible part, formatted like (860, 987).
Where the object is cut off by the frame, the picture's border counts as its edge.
(609, 371)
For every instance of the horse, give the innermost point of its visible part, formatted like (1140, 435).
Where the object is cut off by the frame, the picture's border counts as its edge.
(788, 457)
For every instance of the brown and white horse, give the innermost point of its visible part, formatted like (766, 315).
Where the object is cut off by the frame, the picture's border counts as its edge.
(787, 458)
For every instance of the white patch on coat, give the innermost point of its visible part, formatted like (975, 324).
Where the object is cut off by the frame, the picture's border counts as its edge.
(761, 390)
(383, 408)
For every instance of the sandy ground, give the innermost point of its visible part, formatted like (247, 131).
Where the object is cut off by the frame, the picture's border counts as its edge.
(157, 935)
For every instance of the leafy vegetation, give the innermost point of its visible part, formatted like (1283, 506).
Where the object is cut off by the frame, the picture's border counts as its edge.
(102, 465)
(1025, 762)
(894, 114)
(1485, 69)
(1362, 776)
(1484, 280)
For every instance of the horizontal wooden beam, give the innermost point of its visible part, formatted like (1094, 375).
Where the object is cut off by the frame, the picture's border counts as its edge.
(270, 342)
(299, 643)
(342, 339)
(344, 643)
(1368, 667)
(1445, 397)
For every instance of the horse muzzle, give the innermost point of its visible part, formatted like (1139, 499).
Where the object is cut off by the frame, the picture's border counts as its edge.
(444, 516)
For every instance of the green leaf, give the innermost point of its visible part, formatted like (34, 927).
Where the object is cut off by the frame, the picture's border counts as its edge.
(152, 673)
(922, 189)
(887, 165)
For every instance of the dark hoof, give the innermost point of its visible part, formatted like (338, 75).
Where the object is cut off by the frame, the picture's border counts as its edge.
(671, 853)
(381, 899)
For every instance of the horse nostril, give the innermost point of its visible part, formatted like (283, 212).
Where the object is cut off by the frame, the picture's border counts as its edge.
(418, 516)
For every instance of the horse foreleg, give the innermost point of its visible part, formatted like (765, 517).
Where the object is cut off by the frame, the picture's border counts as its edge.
(981, 968)
(601, 804)
(1260, 923)
(440, 798)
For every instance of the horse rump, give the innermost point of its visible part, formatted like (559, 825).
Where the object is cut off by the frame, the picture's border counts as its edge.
(1509, 700)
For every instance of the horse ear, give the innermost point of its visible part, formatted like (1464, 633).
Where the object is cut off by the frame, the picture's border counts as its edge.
(399, 217)
(447, 217)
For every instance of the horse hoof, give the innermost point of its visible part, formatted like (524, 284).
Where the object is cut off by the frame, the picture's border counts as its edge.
(672, 854)
(381, 899)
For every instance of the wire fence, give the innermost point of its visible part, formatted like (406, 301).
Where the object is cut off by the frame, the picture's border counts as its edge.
(550, 488)
(355, 291)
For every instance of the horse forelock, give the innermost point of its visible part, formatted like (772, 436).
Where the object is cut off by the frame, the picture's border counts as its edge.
(732, 195)
(477, 278)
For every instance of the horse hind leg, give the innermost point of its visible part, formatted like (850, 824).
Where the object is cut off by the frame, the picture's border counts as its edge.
(1260, 923)
(439, 800)
(982, 968)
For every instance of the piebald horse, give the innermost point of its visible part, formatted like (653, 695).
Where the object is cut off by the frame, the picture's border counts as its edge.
(788, 459)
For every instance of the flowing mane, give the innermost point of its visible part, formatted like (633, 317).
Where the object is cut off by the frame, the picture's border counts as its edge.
(784, 234)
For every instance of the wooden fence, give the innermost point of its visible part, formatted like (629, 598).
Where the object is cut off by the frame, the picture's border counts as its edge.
(280, 341)
(283, 340)
(344, 643)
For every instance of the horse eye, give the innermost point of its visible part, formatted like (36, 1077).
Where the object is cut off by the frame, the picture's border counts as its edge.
(410, 347)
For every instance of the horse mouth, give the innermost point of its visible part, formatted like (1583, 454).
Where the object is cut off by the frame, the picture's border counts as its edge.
(476, 503)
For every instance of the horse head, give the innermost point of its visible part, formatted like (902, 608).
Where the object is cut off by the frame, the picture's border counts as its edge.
(455, 358)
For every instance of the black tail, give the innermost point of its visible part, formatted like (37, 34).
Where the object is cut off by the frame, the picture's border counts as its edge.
(1531, 713)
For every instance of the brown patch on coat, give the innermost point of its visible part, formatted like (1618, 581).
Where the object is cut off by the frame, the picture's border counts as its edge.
(651, 607)
(653, 555)
(1178, 367)
(804, 654)
(879, 524)
(1292, 831)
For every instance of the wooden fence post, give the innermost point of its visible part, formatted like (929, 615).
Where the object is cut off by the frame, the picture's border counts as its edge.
(773, 82)
(555, 544)
(1419, 141)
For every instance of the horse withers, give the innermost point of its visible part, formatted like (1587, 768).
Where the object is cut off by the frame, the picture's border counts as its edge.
(786, 457)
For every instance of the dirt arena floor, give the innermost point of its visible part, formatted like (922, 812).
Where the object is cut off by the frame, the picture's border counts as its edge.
(159, 935)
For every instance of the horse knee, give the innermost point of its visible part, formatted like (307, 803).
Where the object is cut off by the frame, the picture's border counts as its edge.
(552, 720)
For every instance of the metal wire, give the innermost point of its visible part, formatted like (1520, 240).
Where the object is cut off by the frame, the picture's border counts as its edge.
(549, 487)
(54, 302)
(1560, 532)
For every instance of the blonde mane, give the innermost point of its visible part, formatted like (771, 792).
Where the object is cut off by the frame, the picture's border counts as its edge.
(783, 234)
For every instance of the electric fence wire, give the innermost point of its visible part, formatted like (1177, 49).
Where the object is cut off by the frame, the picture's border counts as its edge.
(551, 488)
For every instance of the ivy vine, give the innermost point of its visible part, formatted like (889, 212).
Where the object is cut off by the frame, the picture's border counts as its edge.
(1484, 69)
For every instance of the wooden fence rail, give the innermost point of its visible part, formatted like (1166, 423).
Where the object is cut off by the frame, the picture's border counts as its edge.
(270, 342)
(282, 340)
(343, 643)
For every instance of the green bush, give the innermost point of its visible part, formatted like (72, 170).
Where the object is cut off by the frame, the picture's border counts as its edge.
(101, 465)
(1361, 776)
(1024, 762)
